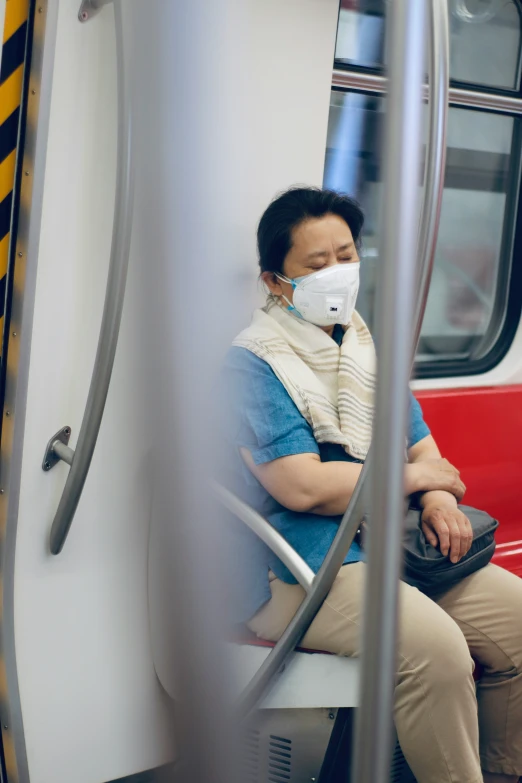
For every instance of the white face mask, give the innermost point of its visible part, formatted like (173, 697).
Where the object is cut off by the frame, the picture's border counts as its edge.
(326, 297)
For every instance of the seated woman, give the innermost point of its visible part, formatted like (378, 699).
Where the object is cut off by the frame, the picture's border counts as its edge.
(300, 383)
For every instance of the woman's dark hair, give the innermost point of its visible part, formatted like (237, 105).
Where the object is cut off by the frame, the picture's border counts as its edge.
(293, 207)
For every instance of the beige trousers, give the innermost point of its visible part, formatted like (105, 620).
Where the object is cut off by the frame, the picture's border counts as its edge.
(439, 715)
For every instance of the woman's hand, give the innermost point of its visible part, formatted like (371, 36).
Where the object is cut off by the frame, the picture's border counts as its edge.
(434, 474)
(445, 526)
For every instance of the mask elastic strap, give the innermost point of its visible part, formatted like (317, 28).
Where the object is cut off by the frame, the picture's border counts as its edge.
(286, 280)
(290, 306)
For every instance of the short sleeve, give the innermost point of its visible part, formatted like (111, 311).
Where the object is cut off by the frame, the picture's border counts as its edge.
(262, 416)
(418, 428)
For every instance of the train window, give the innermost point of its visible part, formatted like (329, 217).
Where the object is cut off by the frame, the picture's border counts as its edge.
(476, 26)
(466, 311)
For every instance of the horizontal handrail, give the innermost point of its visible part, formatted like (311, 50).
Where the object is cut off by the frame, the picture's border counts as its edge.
(268, 534)
(358, 81)
(112, 311)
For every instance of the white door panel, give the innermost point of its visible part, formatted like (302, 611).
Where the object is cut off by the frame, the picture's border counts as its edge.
(91, 704)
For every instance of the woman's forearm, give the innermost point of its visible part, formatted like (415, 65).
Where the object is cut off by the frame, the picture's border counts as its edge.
(303, 483)
(338, 482)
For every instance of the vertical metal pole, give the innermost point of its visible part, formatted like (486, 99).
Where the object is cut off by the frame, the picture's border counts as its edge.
(435, 166)
(405, 45)
(190, 177)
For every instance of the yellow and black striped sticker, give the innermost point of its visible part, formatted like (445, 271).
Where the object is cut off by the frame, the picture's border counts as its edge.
(11, 92)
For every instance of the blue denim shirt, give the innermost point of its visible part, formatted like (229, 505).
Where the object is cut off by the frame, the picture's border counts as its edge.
(260, 415)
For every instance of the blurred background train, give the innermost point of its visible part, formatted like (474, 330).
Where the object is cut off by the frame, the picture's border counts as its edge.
(233, 100)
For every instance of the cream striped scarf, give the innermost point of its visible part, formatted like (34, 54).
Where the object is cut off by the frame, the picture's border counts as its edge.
(332, 386)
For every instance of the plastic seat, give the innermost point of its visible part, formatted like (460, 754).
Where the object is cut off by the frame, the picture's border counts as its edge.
(311, 678)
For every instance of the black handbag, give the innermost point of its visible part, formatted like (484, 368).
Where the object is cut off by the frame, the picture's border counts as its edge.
(428, 569)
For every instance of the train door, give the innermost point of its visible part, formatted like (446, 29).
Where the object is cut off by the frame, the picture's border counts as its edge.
(79, 695)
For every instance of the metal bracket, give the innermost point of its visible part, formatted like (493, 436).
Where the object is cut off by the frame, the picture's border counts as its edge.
(90, 8)
(51, 458)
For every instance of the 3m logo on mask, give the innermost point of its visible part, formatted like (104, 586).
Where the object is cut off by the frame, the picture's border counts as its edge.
(335, 306)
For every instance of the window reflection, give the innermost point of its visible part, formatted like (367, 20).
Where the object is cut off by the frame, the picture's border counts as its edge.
(473, 246)
(485, 42)
(360, 34)
(484, 39)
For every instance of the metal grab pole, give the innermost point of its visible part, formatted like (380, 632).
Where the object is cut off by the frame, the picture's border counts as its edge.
(265, 676)
(112, 309)
(438, 86)
(405, 45)
(268, 534)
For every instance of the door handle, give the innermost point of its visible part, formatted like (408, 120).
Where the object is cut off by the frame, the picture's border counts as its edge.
(57, 448)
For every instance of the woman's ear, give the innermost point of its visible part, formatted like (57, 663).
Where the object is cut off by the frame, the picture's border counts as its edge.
(272, 283)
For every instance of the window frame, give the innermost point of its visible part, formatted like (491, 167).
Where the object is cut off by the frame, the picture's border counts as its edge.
(507, 307)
